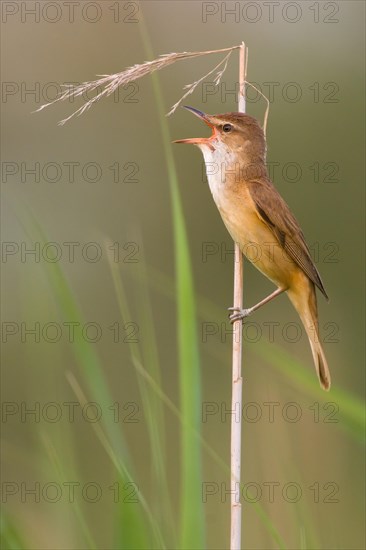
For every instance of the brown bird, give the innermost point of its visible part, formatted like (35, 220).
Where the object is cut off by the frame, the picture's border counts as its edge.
(259, 220)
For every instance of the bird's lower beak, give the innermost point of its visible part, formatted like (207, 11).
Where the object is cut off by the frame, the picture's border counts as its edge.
(206, 119)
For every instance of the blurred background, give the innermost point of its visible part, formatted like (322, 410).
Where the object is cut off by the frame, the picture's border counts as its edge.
(117, 272)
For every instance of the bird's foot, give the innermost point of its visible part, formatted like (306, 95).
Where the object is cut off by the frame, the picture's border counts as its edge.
(238, 313)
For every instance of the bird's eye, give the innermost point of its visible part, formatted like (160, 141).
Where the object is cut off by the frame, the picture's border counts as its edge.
(227, 128)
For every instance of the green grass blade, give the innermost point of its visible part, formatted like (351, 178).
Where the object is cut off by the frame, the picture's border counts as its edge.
(192, 529)
(128, 532)
(190, 392)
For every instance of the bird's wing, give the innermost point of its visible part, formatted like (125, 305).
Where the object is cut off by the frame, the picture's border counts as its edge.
(275, 213)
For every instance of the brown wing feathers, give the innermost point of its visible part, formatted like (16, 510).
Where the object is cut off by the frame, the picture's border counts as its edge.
(276, 214)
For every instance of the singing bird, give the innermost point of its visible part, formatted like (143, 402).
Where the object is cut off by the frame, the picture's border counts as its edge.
(259, 220)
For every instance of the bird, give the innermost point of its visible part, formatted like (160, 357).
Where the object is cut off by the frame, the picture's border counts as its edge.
(258, 218)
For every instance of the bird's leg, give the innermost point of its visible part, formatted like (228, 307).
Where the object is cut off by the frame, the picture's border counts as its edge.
(238, 313)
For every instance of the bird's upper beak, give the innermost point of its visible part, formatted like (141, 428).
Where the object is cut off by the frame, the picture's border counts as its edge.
(207, 120)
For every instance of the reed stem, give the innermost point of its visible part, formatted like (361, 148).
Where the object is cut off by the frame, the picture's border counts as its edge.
(237, 381)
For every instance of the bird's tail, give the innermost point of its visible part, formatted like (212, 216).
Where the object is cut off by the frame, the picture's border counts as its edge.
(306, 306)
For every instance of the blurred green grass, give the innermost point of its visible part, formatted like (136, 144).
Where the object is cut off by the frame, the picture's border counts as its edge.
(169, 512)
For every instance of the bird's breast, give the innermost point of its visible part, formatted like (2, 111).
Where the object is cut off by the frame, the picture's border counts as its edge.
(230, 193)
(239, 213)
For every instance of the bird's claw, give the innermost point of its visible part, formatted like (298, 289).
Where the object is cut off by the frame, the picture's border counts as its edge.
(238, 314)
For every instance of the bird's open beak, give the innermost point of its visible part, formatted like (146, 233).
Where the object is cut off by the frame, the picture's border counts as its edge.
(206, 119)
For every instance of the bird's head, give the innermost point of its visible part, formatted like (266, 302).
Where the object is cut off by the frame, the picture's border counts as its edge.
(233, 133)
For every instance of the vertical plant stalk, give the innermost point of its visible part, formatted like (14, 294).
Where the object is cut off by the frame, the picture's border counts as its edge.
(237, 381)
